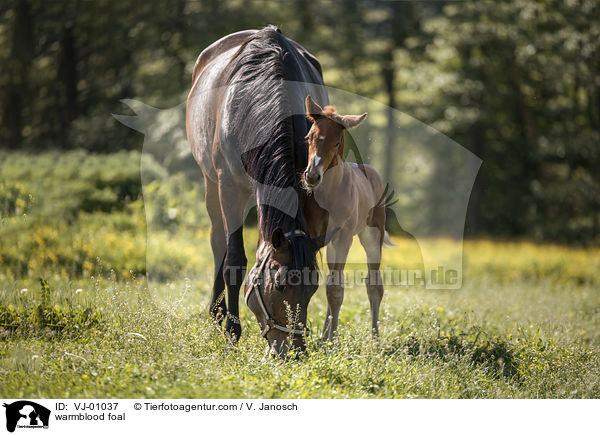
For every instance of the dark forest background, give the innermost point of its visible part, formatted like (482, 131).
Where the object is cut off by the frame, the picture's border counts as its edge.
(516, 82)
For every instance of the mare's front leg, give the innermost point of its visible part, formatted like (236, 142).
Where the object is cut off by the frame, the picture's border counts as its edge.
(233, 201)
(337, 252)
(218, 243)
(371, 239)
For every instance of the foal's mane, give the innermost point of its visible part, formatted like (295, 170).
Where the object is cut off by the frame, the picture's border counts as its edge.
(331, 113)
(260, 120)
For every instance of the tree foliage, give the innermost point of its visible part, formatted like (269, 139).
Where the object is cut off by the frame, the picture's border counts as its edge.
(516, 82)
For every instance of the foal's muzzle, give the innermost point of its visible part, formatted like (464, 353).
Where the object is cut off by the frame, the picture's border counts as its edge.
(312, 177)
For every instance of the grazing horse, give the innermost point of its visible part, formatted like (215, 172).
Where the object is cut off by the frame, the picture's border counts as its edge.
(354, 198)
(247, 135)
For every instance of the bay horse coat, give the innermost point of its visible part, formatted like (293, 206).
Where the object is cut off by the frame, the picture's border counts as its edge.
(246, 127)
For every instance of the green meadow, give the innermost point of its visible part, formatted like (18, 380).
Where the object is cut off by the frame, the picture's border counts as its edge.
(78, 318)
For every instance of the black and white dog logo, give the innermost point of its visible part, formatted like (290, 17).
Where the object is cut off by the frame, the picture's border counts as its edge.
(26, 414)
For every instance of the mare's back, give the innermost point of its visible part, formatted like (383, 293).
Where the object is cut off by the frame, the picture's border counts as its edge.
(251, 94)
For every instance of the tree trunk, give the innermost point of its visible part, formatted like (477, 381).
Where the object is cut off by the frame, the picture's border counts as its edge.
(67, 74)
(21, 55)
(475, 145)
(388, 73)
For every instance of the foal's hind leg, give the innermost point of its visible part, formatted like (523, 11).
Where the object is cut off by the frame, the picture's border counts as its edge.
(337, 252)
(371, 239)
(233, 201)
(218, 243)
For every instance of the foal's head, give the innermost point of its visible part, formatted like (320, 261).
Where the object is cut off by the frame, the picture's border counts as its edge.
(325, 139)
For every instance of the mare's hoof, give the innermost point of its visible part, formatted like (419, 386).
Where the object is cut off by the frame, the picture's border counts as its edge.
(233, 329)
(218, 314)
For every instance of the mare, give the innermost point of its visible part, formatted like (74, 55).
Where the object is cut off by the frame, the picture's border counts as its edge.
(248, 140)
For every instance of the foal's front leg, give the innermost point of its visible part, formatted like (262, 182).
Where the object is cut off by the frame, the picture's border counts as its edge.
(337, 252)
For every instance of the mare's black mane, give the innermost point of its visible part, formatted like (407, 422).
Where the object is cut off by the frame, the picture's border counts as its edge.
(261, 120)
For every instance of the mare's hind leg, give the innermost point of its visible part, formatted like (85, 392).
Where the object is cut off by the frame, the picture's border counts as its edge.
(233, 201)
(218, 243)
(371, 239)
(337, 252)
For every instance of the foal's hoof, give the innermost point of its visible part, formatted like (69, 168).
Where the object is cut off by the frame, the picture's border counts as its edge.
(233, 329)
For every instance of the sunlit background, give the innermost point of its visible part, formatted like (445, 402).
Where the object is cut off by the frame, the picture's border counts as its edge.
(91, 204)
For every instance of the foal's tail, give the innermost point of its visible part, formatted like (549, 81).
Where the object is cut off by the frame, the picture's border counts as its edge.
(386, 239)
(387, 200)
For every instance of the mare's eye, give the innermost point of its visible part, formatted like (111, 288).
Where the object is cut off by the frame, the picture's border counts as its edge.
(280, 278)
(337, 144)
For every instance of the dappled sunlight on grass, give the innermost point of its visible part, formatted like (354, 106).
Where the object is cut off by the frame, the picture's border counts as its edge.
(525, 323)
(507, 338)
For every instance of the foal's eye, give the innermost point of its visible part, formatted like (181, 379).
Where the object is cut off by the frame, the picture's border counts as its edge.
(337, 144)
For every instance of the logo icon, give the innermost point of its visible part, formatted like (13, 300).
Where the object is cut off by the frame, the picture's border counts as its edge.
(26, 414)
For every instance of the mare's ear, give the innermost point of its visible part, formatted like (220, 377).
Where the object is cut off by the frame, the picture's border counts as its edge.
(351, 121)
(313, 110)
(324, 239)
(277, 238)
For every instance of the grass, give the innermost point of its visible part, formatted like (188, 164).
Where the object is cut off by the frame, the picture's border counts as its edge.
(532, 338)
(526, 323)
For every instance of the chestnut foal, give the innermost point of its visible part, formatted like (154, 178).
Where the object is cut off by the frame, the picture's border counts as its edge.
(347, 196)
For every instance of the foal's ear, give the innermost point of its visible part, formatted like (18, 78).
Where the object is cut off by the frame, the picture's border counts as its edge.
(324, 239)
(351, 121)
(277, 238)
(313, 110)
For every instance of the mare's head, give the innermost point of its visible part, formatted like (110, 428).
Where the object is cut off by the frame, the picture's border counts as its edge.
(325, 140)
(278, 290)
